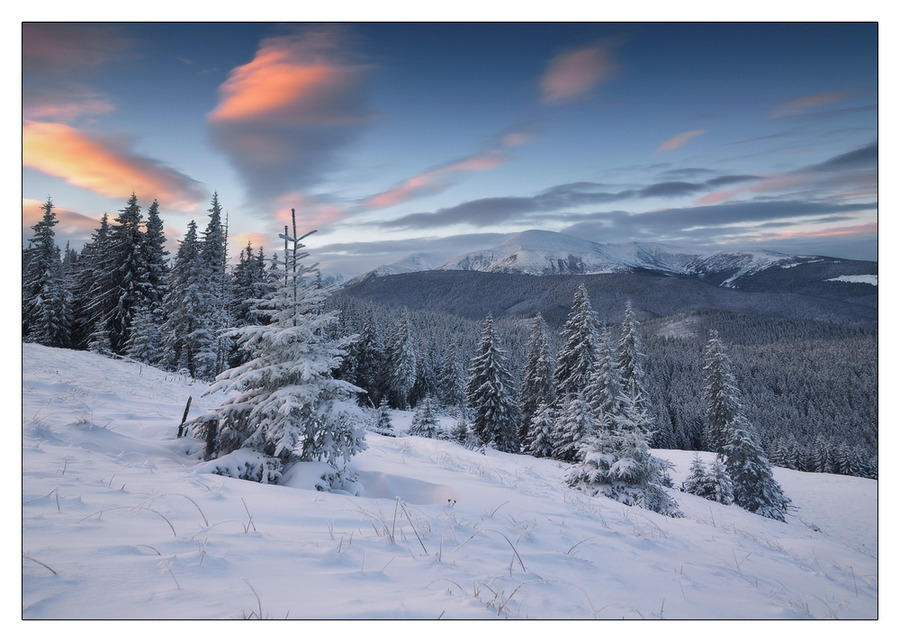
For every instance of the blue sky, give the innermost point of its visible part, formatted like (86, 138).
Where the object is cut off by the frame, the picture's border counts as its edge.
(391, 138)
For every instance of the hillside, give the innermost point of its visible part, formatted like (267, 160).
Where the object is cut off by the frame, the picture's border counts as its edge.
(120, 521)
(474, 294)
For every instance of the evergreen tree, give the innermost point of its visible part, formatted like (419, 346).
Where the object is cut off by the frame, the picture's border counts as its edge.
(604, 390)
(402, 361)
(721, 393)
(618, 463)
(490, 394)
(452, 380)
(578, 354)
(537, 379)
(755, 489)
(541, 432)
(630, 361)
(155, 258)
(145, 343)
(46, 301)
(370, 358)
(128, 287)
(214, 316)
(183, 332)
(250, 284)
(90, 279)
(575, 424)
(711, 484)
(424, 422)
(383, 423)
(285, 402)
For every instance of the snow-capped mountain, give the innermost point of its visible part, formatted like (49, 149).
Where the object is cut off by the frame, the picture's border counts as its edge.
(405, 265)
(540, 253)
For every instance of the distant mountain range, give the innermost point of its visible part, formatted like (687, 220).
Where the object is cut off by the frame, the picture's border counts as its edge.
(542, 253)
(662, 279)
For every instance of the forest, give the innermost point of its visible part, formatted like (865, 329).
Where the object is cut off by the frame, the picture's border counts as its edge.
(808, 386)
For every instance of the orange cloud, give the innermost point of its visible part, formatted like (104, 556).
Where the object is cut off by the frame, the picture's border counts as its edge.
(572, 74)
(104, 167)
(677, 141)
(73, 103)
(804, 103)
(770, 184)
(435, 180)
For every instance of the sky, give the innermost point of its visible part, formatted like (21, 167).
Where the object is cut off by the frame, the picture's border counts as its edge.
(443, 138)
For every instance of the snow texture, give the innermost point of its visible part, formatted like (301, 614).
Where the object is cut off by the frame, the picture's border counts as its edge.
(121, 520)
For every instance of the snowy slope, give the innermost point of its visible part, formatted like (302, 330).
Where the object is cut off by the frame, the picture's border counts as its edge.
(119, 522)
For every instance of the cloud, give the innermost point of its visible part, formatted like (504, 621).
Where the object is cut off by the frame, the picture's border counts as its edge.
(677, 141)
(283, 117)
(435, 180)
(59, 49)
(104, 166)
(70, 105)
(572, 74)
(804, 103)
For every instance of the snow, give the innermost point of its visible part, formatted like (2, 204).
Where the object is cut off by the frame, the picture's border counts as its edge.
(121, 521)
(871, 279)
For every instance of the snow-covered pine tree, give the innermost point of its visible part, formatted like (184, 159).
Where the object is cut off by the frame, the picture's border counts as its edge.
(285, 404)
(604, 390)
(89, 280)
(452, 379)
(575, 423)
(155, 259)
(370, 357)
(212, 316)
(713, 483)
(183, 335)
(46, 301)
(145, 343)
(537, 378)
(424, 421)
(630, 363)
(618, 463)
(755, 488)
(383, 424)
(250, 282)
(128, 286)
(402, 358)
(578, 354)
(721, 392)
(491, 396)
(541, 432)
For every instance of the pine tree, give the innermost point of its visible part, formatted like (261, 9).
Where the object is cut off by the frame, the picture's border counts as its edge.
(383, 423)
(578, 354)
(721, 392)
(402, 360)
(424, 422)
(575, 424)
(541, 432)
(604, 390)
(214, 315)
(128, 288)
(90, 280)
(46, 301)
(537, 379)
(155, 259)
(755, 489)
(183, 333)
(711, 484)
(630, 361)
(370, 358)
(452, 380)
(618, 463)
(285, 403)
(490, 395)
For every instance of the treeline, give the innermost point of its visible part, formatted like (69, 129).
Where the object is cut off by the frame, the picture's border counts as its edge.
(123, 295)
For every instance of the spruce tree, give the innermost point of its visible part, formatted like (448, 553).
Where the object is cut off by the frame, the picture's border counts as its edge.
(578, 354)
(541, 436)
(424, 422)
(630, 362)
(285, 403)
(755, 488)
(402, 360)
(490, 394)
(537, 378)
(574, 425)
(90, 279)
(46, 301)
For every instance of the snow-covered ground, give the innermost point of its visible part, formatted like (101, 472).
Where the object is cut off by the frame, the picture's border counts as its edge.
(871, 279)
(119, 522)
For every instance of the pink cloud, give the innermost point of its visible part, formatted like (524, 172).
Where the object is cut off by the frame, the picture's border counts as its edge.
(61, 48)
(572, 74)
(771, 184)
(677, 141)
(436, 180)
(830, 232)
(804, 103)
(67, 106)
(103, 166)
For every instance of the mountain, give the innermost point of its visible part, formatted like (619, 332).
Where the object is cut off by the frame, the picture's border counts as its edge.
(543, 253)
